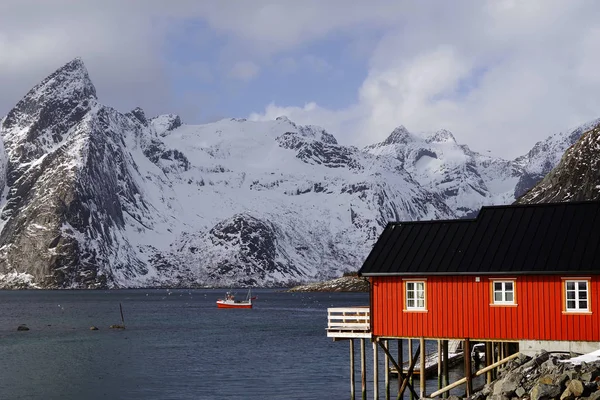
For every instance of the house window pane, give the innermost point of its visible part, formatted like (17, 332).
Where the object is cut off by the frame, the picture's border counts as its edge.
(415, 295)
(577, 296)
(504, 292)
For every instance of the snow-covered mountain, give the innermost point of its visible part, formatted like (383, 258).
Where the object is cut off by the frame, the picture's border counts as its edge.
(97, 198)
(467, 180)
(576, 177)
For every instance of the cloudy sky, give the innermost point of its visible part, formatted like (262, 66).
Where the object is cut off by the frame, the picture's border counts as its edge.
(500, 74)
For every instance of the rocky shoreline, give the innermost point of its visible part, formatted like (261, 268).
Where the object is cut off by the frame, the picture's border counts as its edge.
(344, 284)
(545, 376)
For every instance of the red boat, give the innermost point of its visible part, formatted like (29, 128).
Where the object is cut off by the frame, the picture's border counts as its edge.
(230, 302)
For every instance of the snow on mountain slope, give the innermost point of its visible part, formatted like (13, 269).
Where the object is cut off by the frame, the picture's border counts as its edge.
(546, 154)
(576, 177)
(97, 198)
(467, 180)
(464, 179)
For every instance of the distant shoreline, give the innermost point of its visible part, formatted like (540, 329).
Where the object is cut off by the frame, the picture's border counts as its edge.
(343, 284)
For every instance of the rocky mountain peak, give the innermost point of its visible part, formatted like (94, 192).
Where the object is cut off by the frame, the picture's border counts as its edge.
(400, 135)
(140, 115)
(576, 176)
(441, 136)
(54, 97)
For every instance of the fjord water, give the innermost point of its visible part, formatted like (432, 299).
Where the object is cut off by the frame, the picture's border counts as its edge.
(177, 345)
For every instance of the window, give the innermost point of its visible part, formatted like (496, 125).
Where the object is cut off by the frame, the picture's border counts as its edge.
(577, 296)
(503, 292)
(415, 295)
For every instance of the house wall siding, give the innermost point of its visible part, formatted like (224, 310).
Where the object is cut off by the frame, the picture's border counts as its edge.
(459, 307)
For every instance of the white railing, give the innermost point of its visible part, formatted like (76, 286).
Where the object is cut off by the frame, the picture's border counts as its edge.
(348, 322)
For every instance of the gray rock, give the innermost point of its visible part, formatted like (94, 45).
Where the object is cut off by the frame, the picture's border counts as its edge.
(590, 375)
(508, 385)
(543, 391)
(520, 392)
(22, 327)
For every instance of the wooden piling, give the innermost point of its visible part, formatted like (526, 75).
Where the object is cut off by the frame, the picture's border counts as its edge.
(375, 371)
(363, 367)
(445, 367)
(400, 363)
(410, 361)
(387, 372)
(468, 371)
(352, 383)
(422, 373)
(439, 363)
(488, 361)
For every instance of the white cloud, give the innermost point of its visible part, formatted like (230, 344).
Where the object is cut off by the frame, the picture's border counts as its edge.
(501, 74)
(244, 70)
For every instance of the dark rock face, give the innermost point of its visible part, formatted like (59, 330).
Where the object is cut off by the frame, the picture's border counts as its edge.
(313, 152)
(69, 185)
(256, 244)
(576, 177)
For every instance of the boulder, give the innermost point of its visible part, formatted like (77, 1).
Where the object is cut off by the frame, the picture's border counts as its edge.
(542, 391)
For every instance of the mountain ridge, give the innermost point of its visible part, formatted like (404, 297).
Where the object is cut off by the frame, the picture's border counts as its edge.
(96, 198)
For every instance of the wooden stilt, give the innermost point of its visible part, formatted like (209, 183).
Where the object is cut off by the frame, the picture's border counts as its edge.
(478, 373)
(446, 373)
(422, 368)
(407, 382)
(439, 363)
(352, 383)
(488, 361)
(410, 361)
(375, 371)
(387, 372)
(400, 364)
(399, 368)
(468, 371)
(363, 367)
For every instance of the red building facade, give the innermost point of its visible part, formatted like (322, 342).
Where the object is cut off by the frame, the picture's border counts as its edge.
(515, 273)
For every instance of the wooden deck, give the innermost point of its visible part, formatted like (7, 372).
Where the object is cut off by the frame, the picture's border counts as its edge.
(348, 322)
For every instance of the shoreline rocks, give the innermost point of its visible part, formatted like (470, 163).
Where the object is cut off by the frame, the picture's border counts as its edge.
(545, 376)
(343, 284)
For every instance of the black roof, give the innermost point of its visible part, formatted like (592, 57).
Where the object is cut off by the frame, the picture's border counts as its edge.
(556, 238)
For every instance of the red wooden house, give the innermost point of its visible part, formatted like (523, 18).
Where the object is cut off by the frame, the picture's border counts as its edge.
(520, 273)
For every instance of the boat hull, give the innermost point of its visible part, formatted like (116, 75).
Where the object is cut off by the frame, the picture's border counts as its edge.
(229, 304)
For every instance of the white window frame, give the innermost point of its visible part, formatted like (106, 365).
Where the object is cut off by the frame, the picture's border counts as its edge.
(415, 290)
(504, 292)
(577, 298)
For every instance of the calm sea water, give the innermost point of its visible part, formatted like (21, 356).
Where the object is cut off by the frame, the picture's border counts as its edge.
(177, 345)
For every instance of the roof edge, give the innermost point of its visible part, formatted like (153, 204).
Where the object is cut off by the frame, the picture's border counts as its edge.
(504, 273)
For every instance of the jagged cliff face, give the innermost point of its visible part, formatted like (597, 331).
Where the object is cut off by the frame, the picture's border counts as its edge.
(576, 177)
